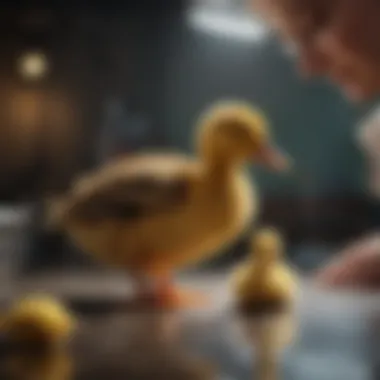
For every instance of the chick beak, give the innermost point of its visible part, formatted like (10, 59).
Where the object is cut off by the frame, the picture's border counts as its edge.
(271, 157)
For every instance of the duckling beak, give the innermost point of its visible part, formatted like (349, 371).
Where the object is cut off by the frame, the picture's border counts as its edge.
(273, 158)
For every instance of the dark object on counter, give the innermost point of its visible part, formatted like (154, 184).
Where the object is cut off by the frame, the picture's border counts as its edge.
(39, 256)
(5, 346)
(49, 250)
(9, 348)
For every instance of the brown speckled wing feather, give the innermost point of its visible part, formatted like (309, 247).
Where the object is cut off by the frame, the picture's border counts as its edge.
(130, 198)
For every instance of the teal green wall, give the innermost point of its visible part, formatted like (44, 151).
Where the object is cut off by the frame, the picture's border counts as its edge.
(310, 119)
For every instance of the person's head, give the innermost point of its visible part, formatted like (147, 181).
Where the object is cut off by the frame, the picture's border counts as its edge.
(334, 38)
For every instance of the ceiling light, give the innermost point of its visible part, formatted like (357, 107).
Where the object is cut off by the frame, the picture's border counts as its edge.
(33, 65)
(225, 24)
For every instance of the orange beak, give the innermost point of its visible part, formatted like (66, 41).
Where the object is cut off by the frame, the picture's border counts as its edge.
(272, 157)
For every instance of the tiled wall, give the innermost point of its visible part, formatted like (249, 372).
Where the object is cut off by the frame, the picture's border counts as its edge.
(174, 72)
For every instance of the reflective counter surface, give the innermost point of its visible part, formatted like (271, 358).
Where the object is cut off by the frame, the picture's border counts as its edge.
(329, 337)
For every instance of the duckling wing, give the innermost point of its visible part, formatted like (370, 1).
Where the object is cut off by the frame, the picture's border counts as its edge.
(133, 188)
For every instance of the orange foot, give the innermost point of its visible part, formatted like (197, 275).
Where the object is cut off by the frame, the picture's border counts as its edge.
(170, 297)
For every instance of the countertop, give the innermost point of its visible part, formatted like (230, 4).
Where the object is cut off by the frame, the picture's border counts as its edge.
(335, 336)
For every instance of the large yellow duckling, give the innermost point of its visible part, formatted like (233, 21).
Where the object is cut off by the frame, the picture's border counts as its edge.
(37, 321)
(154, 213)
(265, 282)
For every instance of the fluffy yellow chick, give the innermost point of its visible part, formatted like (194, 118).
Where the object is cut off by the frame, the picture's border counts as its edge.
(52, 365)
(38, 319)
(153, 214)
(265, 281)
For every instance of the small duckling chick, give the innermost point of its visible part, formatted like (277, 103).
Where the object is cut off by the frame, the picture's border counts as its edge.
(55, 365)
(265, 282)
(38, 321)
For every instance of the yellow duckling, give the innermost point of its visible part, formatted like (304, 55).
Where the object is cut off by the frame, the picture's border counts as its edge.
(55, 365)
(155, 213)
(265, 282)
(38, 319)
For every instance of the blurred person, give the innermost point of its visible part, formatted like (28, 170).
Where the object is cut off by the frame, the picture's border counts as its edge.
(338, 39)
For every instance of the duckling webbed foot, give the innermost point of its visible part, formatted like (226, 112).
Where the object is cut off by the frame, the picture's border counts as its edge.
(169, 296)
(162, 293)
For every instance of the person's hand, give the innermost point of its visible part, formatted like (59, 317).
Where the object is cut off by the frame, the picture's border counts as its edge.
(358, 266)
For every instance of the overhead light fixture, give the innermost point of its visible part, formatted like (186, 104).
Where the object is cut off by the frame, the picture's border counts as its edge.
(33, 65)
(230, 25)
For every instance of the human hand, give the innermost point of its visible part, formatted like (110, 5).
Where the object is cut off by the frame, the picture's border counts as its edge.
(357, 266)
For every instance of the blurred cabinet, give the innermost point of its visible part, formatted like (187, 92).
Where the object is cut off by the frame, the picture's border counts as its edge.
(38, 135)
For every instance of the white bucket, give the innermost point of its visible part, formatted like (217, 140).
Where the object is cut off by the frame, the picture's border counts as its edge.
(14, 225)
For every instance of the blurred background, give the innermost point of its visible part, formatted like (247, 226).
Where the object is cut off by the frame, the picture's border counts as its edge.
(84, 83)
